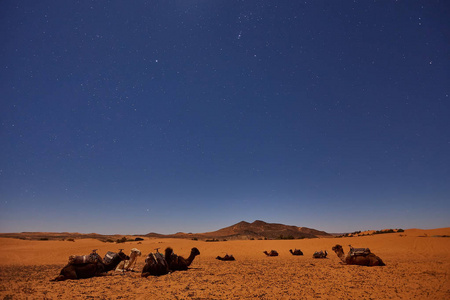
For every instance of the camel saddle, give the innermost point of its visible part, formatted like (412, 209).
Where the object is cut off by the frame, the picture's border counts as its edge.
(359, 251)
(156, 258)
(109, 257)
(84, 259)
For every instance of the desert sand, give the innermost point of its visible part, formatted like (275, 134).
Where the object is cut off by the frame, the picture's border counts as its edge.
(417, 267)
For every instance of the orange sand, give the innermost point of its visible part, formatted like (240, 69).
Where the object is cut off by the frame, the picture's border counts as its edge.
(417, 266)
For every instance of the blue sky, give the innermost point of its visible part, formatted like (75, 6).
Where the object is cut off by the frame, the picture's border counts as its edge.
(167, 116)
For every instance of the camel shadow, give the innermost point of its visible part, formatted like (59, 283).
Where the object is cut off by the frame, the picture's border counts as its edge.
(193, 268)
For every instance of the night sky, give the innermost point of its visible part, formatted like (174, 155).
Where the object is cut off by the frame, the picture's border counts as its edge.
(166, 116)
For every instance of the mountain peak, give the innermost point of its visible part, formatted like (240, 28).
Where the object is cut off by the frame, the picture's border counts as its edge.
(258, 222)
(242, 223)
(258, 229)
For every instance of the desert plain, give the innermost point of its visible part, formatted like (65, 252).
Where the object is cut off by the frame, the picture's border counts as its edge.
(417, 267)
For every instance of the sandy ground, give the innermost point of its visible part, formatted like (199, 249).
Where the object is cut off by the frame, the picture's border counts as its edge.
(417, 267)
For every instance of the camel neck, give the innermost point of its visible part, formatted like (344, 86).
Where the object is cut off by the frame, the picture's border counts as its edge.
(341, 255)
(190, 259)
(131, 260)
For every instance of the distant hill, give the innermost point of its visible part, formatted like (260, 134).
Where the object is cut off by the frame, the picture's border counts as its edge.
(240, 231)
(256, 230)
(61, 236)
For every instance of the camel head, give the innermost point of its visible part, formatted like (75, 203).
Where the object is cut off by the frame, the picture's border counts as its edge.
(135, 252)
(195, 251)
(338, 248)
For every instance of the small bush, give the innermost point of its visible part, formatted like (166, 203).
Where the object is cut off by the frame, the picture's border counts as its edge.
(289, 237)
(384, 231)
(122, 240)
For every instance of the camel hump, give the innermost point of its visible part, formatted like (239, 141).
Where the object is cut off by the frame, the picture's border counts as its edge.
(84, 259)
(159, 258)
(155, 258)
(359, 251)
(155, 264)
(109, 256)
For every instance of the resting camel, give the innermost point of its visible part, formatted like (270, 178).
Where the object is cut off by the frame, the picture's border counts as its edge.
(226, 257)
(320, 254)
(364, 258)
(271, 253)
(88, 270)
(296, 252)
(179, 263)
(155, 265)
(127, 265)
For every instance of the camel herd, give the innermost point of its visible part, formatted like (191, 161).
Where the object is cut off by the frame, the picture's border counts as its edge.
(356, 256)
(157, 264)
(95, 266)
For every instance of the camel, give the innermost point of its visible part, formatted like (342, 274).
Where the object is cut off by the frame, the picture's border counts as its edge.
(226, 257)
(363, 258)
(155, 265)
(320, 254)
(127, 265)
(88, 270)
(296, 252)
(271, 253)
(179, 263)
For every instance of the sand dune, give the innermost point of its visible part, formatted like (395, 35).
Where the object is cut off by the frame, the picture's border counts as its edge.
(417, 266)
